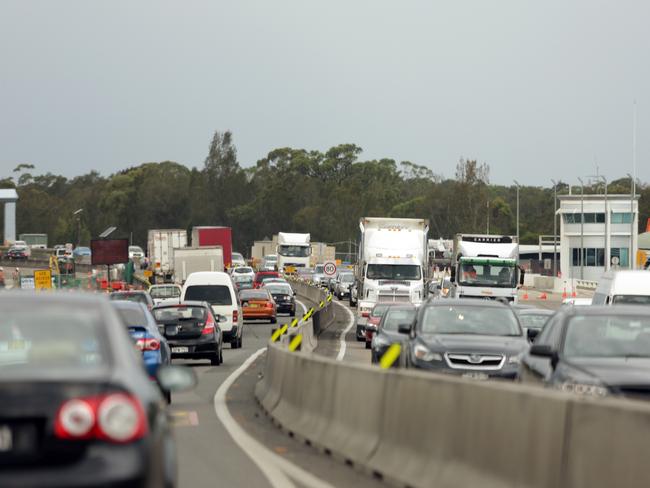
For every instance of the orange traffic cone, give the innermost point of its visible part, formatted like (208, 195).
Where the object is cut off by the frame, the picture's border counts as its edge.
(573, 293)
(525, 297)
(564, 294)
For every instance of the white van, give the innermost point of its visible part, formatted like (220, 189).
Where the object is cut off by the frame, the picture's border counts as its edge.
(216, 288)
(623, 287)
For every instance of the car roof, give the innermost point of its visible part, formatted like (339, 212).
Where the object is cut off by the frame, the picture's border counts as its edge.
(609, 310)
(186, 303)
(208, 278)
(626, 282)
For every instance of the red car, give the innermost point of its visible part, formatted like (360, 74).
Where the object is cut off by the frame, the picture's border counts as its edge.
(373, 321)
(260, 276)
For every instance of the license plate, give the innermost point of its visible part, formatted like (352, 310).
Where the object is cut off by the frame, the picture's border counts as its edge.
(253, 305)
(6, 438)
(476, 376)
(180, 349)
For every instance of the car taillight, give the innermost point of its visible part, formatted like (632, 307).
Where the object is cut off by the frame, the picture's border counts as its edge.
(269, 305)
(365, 314)
(235, 316)
(147, 344)
(117, 417)
(209, 326)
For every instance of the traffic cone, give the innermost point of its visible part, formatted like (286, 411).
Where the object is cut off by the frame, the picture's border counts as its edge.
(543, 296)
(564, 294)
(525, 297)
(574, 294)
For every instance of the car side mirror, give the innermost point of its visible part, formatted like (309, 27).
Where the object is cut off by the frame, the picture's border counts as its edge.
(522, 273)
(176, 378)
(545, 351)
(452, 278)
(532, 334)
(404, 328)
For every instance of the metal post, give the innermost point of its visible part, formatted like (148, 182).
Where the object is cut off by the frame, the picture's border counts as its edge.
(555, 228)
(608, 250)
(582, 229)
(517, 183)
(632, 195)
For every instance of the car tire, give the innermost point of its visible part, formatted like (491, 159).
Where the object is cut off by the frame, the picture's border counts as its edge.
(359, 338)
(215, 359)
(368, 345)
(292, 313)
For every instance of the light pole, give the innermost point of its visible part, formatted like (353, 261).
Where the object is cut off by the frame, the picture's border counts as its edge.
(517, 183)
(582, 229)
(77, 213)
(632, 195)
(554, 227)
(608, 251)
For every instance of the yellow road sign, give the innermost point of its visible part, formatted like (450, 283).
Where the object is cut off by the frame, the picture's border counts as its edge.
(42, 279)
(148, 273)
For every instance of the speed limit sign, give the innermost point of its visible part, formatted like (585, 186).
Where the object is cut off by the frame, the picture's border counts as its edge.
(329, 268)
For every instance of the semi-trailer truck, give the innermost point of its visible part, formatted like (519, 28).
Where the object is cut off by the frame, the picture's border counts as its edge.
(486, 266)
(160, 248)
(294, 250)
(208, 236)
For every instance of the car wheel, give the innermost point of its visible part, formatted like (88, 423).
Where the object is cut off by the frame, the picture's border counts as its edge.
(215, 359)
(368, 344)
(221, 354)
(360, 337)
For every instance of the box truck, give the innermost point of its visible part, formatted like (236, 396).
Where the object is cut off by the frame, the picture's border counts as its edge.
(214, 236)
(486, 266)
(160, 248)
(293, 250)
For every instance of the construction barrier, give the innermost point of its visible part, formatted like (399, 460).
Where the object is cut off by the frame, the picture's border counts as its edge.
(421, 429)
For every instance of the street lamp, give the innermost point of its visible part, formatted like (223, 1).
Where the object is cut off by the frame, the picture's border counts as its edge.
(582, 229)
(554, 227)
(517, 183)
(77, 213)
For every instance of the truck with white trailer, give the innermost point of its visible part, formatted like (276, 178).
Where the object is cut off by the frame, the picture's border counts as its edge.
(486, 266)
(194, 259)
(293, 250)
(160, 249)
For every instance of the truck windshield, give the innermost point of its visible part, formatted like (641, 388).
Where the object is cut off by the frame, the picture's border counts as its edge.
(294, 251)
(393, 272)
(494, 275)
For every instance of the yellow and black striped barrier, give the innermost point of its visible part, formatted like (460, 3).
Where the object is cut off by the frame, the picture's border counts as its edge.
(329, 298)
(294, 322)
(278, 333)
(321, 304)
(295, 342)
(390, 356)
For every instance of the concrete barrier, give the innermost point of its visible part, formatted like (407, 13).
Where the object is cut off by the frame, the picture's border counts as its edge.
(418, 429)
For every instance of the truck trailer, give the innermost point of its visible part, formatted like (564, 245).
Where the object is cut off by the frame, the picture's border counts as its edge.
(486, 266)
(194, 259)
(160, 248)
(208, 236)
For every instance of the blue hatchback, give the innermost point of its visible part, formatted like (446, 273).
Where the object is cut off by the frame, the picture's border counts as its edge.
(145, 333)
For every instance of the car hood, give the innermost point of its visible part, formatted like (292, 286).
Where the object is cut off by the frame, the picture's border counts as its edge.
(475, 343)
(615, 371)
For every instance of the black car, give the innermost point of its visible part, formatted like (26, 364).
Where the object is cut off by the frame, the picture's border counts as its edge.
(77, 407)
(596, 351)
(533, 320)
(16, 254)
(284, 297)
(474, 338)
(388, 330)
(192, 330)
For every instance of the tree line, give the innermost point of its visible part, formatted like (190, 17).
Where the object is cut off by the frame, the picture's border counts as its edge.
(292, 190)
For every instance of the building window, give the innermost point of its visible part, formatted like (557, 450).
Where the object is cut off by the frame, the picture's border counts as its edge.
(575, 256)
(593, 256)
(590, 218)
(621, 218)
(622, 254)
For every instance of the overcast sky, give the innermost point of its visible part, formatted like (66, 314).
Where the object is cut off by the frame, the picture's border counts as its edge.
(538, 90)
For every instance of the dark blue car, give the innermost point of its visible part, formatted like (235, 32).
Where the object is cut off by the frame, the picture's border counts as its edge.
(145, 333)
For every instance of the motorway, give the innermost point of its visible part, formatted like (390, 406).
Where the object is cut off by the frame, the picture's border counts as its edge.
(239, 445)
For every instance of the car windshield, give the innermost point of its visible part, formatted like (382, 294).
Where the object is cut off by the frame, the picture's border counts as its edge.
(254, 295)
(237, 257)
(631, 299)
(279, 289)
(608, 336)
(346, 278)
(270, 258)
(494, 275)
(173, 314)
(135, 249)
(51, 338)
(130, 297)
(394, 317)
(165, 292)
(133, 316)
(294, 251)
(264, 278)
(243, 269)
(393, 272)
(213, 294)
(243, 279)
(469, 319)
(533, 321)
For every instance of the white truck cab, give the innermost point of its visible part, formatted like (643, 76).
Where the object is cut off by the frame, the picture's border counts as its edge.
(294, 250)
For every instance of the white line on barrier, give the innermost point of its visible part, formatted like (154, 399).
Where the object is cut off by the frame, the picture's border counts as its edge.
(275, 468)
(303, 306)
(344, 346)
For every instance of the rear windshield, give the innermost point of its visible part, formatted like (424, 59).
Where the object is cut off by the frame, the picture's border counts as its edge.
(398, 316)
(130, 297)
(243, 270)
(632, 299)
(533, 321)
(171, 314)
(379, 310)
(133, 316)
(165, 292)
(213, 294)
(253, 295)
(51, 337)
(264, 277)
(347, 278)
(279, 289)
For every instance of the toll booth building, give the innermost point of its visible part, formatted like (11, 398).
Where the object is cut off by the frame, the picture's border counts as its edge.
(597, 234)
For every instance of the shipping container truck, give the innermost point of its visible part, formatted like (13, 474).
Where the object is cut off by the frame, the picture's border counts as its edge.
(160, 248)
(214, 236)
(486, 266)
(194, 259)
(34, 241)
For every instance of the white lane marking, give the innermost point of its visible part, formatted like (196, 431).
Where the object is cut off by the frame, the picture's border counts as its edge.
(303, 306)
(343, 346)
(276, 469)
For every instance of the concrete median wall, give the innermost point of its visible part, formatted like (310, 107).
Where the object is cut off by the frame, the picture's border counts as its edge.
(418, 429)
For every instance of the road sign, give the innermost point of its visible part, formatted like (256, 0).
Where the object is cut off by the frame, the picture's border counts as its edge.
(27, 282)
(329, 268)
(42, 279)
(148, 273)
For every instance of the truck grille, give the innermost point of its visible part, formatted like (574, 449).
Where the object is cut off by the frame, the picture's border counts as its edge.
(389, 297)
(484, 362)
(393, 283)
